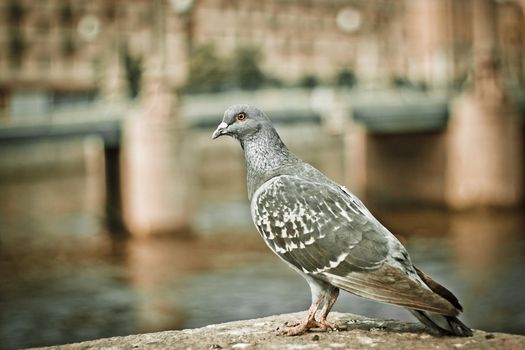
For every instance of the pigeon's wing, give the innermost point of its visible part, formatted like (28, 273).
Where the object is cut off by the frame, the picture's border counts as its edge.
(317, 227)
(327, 233)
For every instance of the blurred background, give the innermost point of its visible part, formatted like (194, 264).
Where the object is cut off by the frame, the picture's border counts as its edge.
(119, 215)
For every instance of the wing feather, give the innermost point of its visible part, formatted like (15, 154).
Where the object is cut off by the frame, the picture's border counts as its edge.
(391, 285)
(311, 225)
(326, 232)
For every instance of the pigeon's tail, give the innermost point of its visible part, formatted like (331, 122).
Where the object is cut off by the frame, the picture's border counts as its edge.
(444, 325)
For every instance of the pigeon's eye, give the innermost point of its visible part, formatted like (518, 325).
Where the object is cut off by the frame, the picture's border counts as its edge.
(241, 116)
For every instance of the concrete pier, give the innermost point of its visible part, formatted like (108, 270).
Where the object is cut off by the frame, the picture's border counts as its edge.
(357, 332)
(484, 155)
(157, 182)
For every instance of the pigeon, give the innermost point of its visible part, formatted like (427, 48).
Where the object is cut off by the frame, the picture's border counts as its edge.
(327, 235)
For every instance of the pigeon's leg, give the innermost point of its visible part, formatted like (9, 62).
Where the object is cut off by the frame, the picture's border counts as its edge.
(330, 299)
(309, 322)
(319, 291)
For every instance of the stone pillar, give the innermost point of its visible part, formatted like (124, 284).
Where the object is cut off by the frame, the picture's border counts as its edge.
(485, 146)
(355, 167)
(157, 179)
(485, 155)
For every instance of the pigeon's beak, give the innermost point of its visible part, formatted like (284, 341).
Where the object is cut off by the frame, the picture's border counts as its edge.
(221, 130)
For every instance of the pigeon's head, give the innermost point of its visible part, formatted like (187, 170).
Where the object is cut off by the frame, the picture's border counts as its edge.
(242, 122)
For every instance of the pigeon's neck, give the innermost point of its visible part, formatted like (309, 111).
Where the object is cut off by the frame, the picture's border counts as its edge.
(264, 154)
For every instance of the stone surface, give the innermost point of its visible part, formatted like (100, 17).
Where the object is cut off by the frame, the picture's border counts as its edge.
(356, 332)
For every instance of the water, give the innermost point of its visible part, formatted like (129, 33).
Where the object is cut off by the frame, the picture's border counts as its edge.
(63, 279)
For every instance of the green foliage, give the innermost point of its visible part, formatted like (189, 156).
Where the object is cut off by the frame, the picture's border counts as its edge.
(210, 73)
(207, 72)
(346, 78)
(272, 81)
(133, 67)
(68, 46)
(66, 14)
(245, 68)
(405, 83)
(17, 47)
(15, 12)
(461, 82)
(309, 81)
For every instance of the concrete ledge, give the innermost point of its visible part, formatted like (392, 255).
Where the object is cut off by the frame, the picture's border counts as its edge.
(359, 333)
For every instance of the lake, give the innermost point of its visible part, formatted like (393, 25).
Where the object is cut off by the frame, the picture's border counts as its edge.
(64, 278)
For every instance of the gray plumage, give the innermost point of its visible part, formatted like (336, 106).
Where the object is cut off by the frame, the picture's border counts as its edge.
(326, 234)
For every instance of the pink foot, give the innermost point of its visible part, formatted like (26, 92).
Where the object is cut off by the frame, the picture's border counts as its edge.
(324, 325)
(301, 328)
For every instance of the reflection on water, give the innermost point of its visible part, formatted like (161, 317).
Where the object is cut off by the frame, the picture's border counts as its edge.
(62, 278)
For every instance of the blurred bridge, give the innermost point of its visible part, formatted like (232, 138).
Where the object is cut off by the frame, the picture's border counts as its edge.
(105, 122)
(398, 148)
(401, 146)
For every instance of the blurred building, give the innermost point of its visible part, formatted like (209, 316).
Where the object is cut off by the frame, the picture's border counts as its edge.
(71, 53)
(55, 52)
(48, 53)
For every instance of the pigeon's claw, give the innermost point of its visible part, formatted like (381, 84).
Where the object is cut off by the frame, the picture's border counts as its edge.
(324, 325)
(302, 328)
